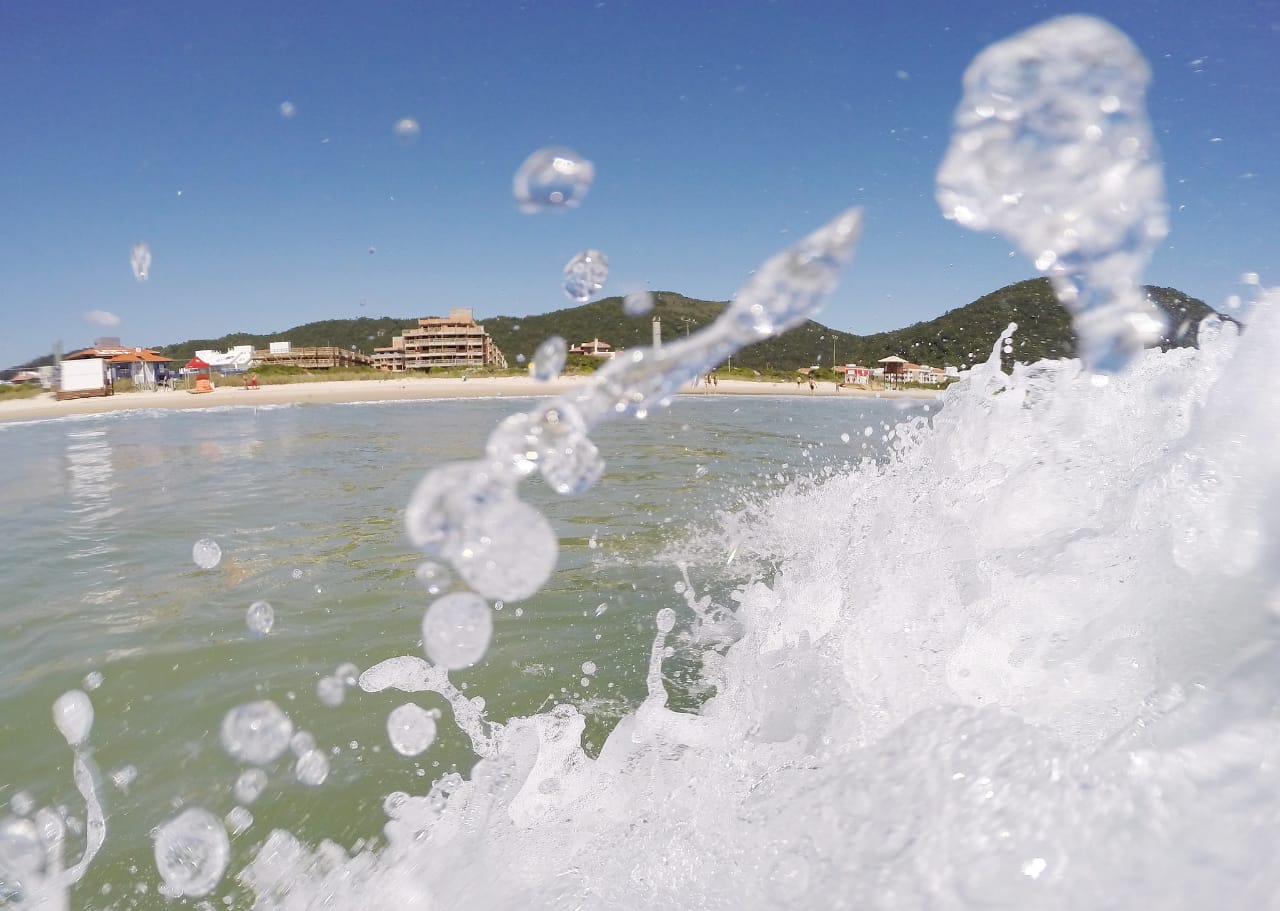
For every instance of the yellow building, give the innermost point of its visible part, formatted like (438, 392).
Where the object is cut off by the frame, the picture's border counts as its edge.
(456, 340)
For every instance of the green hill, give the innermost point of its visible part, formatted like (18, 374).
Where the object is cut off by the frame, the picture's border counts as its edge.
(958, 338)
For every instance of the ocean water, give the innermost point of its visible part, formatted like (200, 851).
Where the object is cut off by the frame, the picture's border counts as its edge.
(306, 504)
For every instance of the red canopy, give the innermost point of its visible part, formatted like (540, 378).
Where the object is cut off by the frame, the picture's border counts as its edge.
(197, 364)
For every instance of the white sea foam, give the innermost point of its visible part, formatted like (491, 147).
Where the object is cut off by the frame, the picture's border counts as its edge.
(1029, 663)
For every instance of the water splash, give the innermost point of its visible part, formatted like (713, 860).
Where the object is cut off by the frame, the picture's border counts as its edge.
(548, 359)
(1053, 148)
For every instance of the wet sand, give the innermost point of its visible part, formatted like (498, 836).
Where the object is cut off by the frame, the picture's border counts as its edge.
(392, 389)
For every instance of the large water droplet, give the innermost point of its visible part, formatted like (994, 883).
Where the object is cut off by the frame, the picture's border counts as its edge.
(552, 179)
(238, 819)
(191, 852)
(456, 630)
(140, 262)
(585, 275)
(330, 691)
(260, 617)
(411, 729)
(508, 552)
(73, 715)
(287, 110)
(206, 553)
(256, 732)
(1053, 149)
(548, 360)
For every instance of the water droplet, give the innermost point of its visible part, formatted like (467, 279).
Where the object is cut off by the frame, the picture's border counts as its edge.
(585, 275)
(92, 680)
(637, 303)
(22, 803)
(302, 742)
(250, 785)
(238, 819)
(330, 691)
(552, 179)
(287, 110)
(348, 673)
(312, 768)
(256, 732)
(73, 715)
(548, 360)
(297, 574)
(140, 262)
(411, 729)
(260, 618)
(206, 553)
(588, 667)
(407, 130)
(433, 576)
(191, 852)
(456, 630)
(844, 438)
(123, 777)
(509, 550)
(666, 620)
(20, 848)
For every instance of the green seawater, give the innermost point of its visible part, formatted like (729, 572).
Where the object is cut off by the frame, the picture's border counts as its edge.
(306, 503)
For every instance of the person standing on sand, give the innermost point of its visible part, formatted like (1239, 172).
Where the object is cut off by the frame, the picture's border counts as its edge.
(811, 386)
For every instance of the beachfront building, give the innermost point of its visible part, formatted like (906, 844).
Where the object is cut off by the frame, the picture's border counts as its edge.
(456, 340)
(899, 370)
(594, 348)
(320, 357)
(855, 375)
(142, 365)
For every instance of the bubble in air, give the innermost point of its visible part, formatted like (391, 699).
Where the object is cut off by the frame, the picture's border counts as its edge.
(191, 852)
(552, 179)
(249, 786)
(330, 691)
(311, 768)
(585, 275)
(1052, 148)
(411, 729)
(73, 715)
(637, 303)
(260, 617)
(456, 630)
(256, 732)
(206, 553)
(287, 110)
(140, 262)
(407, 130)
(548, 360)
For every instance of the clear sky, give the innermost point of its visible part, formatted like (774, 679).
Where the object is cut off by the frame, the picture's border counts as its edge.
(719, 130)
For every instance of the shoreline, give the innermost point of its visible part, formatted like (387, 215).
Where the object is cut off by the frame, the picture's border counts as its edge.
(392, 389)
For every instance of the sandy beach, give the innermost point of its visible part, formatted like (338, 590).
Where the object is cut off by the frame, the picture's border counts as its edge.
(397, 388)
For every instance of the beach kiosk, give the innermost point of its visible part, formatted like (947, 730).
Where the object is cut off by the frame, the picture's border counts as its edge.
(199, 368)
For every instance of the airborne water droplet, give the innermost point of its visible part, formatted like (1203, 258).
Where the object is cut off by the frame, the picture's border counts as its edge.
(585, 275)
(456, 630)
(140, 262)
(249, 785)
(411, 729)
(191, 852)
(73, 715)
(548, 360)
(407, 130)
(256, 732)
(206, 553)
(637, 303)
(260, 617)
(552, 179)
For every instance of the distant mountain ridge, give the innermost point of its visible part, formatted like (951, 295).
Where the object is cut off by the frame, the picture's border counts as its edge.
(958, 338)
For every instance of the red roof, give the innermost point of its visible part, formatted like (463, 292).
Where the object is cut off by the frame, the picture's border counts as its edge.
(197, 363)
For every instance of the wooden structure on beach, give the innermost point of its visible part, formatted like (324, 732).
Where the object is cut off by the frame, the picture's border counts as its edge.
(456, 340)
(324, 357)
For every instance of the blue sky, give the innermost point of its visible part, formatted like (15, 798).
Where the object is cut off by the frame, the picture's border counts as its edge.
(720, 132)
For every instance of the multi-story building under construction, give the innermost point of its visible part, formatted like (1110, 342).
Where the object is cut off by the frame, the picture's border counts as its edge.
(456, 340)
